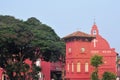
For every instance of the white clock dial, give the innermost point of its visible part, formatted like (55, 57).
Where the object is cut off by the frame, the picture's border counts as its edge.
(82, 49)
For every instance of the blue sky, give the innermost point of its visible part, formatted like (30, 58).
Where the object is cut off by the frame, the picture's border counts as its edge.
(66, 16)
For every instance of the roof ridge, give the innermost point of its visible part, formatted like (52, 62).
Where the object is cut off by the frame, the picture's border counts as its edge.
(78, 34)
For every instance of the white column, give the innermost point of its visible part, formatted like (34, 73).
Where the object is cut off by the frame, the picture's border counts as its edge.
(3, 76)
(38, 62)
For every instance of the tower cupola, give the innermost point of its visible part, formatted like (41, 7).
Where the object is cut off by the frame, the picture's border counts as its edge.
(94, 30)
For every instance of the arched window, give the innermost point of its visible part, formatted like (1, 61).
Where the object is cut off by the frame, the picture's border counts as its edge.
(68, 67)
(78, 67)
(72, 67)
(69, 50)
(86, 67)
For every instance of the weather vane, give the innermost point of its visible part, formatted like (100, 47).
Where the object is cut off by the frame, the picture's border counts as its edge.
(94, 20)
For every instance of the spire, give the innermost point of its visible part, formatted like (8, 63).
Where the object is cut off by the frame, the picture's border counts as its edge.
(94, 20)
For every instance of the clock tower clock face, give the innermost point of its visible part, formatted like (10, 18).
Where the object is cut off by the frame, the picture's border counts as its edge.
(82, 50)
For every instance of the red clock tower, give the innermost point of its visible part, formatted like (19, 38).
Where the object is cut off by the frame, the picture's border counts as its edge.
(80, 47)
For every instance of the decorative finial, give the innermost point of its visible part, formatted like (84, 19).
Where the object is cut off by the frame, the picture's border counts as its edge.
(94, 20)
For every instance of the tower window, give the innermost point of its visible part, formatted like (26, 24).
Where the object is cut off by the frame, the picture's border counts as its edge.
(94, 32)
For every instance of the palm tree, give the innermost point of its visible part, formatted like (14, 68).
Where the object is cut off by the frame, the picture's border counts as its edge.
(96, 61)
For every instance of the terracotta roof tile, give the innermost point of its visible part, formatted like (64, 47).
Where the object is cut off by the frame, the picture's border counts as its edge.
(78, 34)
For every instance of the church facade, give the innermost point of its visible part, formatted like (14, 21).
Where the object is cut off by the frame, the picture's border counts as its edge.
(80, 47)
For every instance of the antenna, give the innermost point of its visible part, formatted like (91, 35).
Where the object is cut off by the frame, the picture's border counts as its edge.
(94, 20)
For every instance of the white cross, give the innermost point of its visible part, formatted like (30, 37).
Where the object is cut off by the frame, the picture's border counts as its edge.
(95, 42)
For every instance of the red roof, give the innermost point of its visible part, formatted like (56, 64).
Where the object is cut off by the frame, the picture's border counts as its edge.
(79, 34)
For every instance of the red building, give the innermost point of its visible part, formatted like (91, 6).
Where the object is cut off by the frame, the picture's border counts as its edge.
(49, 70)
(80, 47)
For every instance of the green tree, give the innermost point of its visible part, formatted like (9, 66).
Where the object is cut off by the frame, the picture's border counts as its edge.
(31, 39)
(94, 76)
(109, 76)
(96, 61)
(51, 46)
(35, 71)
(17, 68)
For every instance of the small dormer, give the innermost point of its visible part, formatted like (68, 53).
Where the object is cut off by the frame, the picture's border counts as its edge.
(94, 30)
